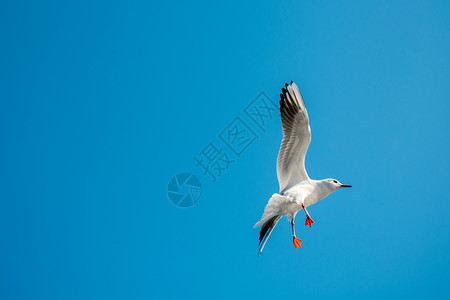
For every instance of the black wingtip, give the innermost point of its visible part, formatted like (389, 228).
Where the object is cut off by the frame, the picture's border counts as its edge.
(292, 82)
(266, 227)
(286, 85)
(284, 91)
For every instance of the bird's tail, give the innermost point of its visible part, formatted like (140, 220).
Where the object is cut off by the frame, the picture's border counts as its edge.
(271, 216)
(266, 230)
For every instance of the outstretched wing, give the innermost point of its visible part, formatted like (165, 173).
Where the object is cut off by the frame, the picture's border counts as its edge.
(296, 138)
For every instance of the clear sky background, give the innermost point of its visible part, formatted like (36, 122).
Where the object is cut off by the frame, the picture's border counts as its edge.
(103, 102)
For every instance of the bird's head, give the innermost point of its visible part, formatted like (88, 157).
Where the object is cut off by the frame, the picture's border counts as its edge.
(334, 184)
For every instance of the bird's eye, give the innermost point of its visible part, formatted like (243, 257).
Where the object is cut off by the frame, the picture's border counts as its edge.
(335, 181)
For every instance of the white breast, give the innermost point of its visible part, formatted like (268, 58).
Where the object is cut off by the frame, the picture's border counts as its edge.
(307, 192)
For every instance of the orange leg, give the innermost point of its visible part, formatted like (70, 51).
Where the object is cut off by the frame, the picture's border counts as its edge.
(296, 240)
(308, 221)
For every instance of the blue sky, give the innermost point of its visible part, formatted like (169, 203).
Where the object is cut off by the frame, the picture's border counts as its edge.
(102, 103)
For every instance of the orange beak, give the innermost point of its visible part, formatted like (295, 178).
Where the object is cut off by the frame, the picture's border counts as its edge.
(345, 185)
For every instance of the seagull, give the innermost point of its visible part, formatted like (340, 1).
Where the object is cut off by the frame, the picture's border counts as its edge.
(297, 190)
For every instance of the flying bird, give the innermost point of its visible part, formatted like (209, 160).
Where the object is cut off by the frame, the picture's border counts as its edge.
(297, 190)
